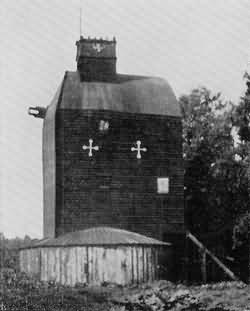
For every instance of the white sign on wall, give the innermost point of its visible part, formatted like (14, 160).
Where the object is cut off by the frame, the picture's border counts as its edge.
(163, 185)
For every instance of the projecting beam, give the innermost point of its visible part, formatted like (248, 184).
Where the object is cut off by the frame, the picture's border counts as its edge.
(37, 112)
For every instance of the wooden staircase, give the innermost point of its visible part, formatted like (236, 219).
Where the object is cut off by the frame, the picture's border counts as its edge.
(204, 253)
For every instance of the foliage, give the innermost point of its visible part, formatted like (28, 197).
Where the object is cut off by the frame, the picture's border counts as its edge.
(215, 179)
(216, 174)
(9, 250)
(240, 233)
(242, 114)
(241, 120)
(165, 295)
(19, 292)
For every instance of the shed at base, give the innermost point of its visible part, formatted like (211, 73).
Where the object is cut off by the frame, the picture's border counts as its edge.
(96, 256)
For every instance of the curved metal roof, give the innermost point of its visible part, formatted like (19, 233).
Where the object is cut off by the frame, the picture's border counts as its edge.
(100, 236)
(127, 93)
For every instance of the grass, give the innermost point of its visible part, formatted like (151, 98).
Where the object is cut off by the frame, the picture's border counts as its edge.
(18, 292)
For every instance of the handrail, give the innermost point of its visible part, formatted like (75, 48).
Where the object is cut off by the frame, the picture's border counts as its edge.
(205, 252)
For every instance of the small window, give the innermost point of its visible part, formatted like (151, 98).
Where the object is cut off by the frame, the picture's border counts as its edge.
(103, 126)
(163, 185)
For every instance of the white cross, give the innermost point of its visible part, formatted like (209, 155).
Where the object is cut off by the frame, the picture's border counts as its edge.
(90, 147)
(138, 149)
(98, 47)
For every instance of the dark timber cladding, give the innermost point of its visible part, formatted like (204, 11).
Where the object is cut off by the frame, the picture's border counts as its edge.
(112, 187)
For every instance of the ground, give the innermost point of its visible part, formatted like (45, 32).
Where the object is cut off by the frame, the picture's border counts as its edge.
(20, 293)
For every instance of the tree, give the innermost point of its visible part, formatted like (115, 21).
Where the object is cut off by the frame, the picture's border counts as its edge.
(242, 115)
(216, 175)
(242, 122)
(215, 179)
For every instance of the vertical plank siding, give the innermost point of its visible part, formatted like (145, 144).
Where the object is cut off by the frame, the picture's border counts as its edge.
(30, 261)
(93, 265)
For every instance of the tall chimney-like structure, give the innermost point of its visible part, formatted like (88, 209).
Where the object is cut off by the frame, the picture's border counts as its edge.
(96, 59)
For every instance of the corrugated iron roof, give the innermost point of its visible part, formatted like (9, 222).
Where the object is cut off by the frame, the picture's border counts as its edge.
(100, 236)
(127, 93)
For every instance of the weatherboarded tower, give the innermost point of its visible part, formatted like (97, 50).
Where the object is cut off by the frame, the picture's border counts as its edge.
(112, 159)
(112, 149)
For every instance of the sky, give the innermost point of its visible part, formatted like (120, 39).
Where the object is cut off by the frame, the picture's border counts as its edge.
(190, 43)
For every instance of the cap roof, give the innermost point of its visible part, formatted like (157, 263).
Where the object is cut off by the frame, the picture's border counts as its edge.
(127, 93)
(99, 236)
